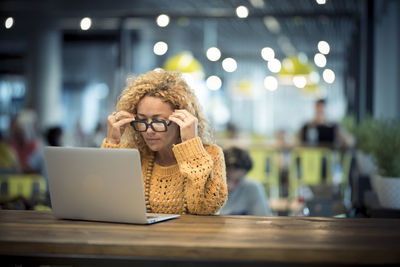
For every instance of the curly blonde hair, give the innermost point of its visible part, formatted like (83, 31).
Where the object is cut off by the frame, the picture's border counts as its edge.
(171, 88)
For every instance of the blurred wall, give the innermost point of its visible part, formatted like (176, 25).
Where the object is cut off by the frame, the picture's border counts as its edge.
(387, 59)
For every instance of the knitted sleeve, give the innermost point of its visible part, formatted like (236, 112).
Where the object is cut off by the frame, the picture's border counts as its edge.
(204, 169)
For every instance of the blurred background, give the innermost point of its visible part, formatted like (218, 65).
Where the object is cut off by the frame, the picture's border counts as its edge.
(257, 66)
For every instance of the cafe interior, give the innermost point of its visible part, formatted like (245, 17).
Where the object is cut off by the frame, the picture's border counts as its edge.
(257, 67)
(309, 90)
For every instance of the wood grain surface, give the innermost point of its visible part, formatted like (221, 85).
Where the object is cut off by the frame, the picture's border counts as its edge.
(230, 238)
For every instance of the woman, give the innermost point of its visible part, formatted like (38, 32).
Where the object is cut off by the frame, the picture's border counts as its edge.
(183, 171)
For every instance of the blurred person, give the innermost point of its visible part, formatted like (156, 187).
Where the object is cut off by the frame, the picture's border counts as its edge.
(8, 157)
(27, 144)
(320, 132)
(245, 196)
(232, 131)
(54, 136)
(183, 170)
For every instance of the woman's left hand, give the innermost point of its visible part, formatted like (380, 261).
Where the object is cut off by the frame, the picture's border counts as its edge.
(187, 123)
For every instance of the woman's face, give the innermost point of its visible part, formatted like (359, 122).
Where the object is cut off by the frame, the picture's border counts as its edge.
(154, 109)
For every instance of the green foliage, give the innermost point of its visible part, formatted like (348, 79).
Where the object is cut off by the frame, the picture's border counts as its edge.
(379, 138)
(365, 133)
(349, 122)
(386, 147)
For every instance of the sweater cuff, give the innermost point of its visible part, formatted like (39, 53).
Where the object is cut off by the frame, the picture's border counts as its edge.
(105, 144)
(189, 149)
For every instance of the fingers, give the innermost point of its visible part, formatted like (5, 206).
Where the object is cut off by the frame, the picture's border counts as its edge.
(120, 115)
(176, 120)
(116, 123)
(184, 111)
(119, 119)
(183, 115)
(123, 122)
(187, 123)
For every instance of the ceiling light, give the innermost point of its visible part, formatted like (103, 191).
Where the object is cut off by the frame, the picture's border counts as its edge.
(242, 12)
(323, 47)
(162, 20)
(214, 83)
(274, 65)
(86, 23)
(9, 22)
(320, 60)
(267, 53)
(229, 64)
(299, 81)
(213, 54)
(160, 48)
(328, 75)
(321, 2)
(271, 83)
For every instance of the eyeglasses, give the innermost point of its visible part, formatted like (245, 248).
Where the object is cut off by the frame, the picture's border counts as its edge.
(157, 126)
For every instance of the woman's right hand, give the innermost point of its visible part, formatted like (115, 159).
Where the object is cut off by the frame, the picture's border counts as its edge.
(116, 124)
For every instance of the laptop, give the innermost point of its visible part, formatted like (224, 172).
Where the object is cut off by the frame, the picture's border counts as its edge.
(98, 184)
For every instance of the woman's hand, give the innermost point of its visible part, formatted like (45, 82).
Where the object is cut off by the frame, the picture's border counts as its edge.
(187, 123)
(116, 124)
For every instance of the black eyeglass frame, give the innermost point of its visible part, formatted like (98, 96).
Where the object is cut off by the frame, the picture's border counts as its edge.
(151, 125)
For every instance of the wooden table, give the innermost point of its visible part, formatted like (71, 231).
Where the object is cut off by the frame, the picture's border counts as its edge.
(36, 236)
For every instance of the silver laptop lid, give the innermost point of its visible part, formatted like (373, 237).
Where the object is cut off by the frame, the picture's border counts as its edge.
(96, 184)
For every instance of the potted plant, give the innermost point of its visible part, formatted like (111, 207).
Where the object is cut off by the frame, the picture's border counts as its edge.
(380, 138)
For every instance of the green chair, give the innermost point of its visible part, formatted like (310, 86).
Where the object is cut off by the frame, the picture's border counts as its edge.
(345, 162)
(28, 186)
(266, 169)
(306, 168)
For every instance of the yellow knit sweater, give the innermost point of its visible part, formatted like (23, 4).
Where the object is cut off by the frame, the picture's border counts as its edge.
(195, 185)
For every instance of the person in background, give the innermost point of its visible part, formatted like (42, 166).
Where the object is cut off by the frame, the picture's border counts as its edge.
(245, 196)
(8, 158)
(54, 136)
(183, 170)
(28, 146)
(320, 132)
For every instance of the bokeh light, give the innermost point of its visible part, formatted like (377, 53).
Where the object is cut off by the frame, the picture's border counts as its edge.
(267, 53)
(328, 75)
(323, 47)
(160, 48)
(9, 22)
(274, 65)
(214, 83)
(320, 60)
(162, 20)
(213, 54)
(242, 12)
(229, 64)
(271, 83)
(86, 23)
